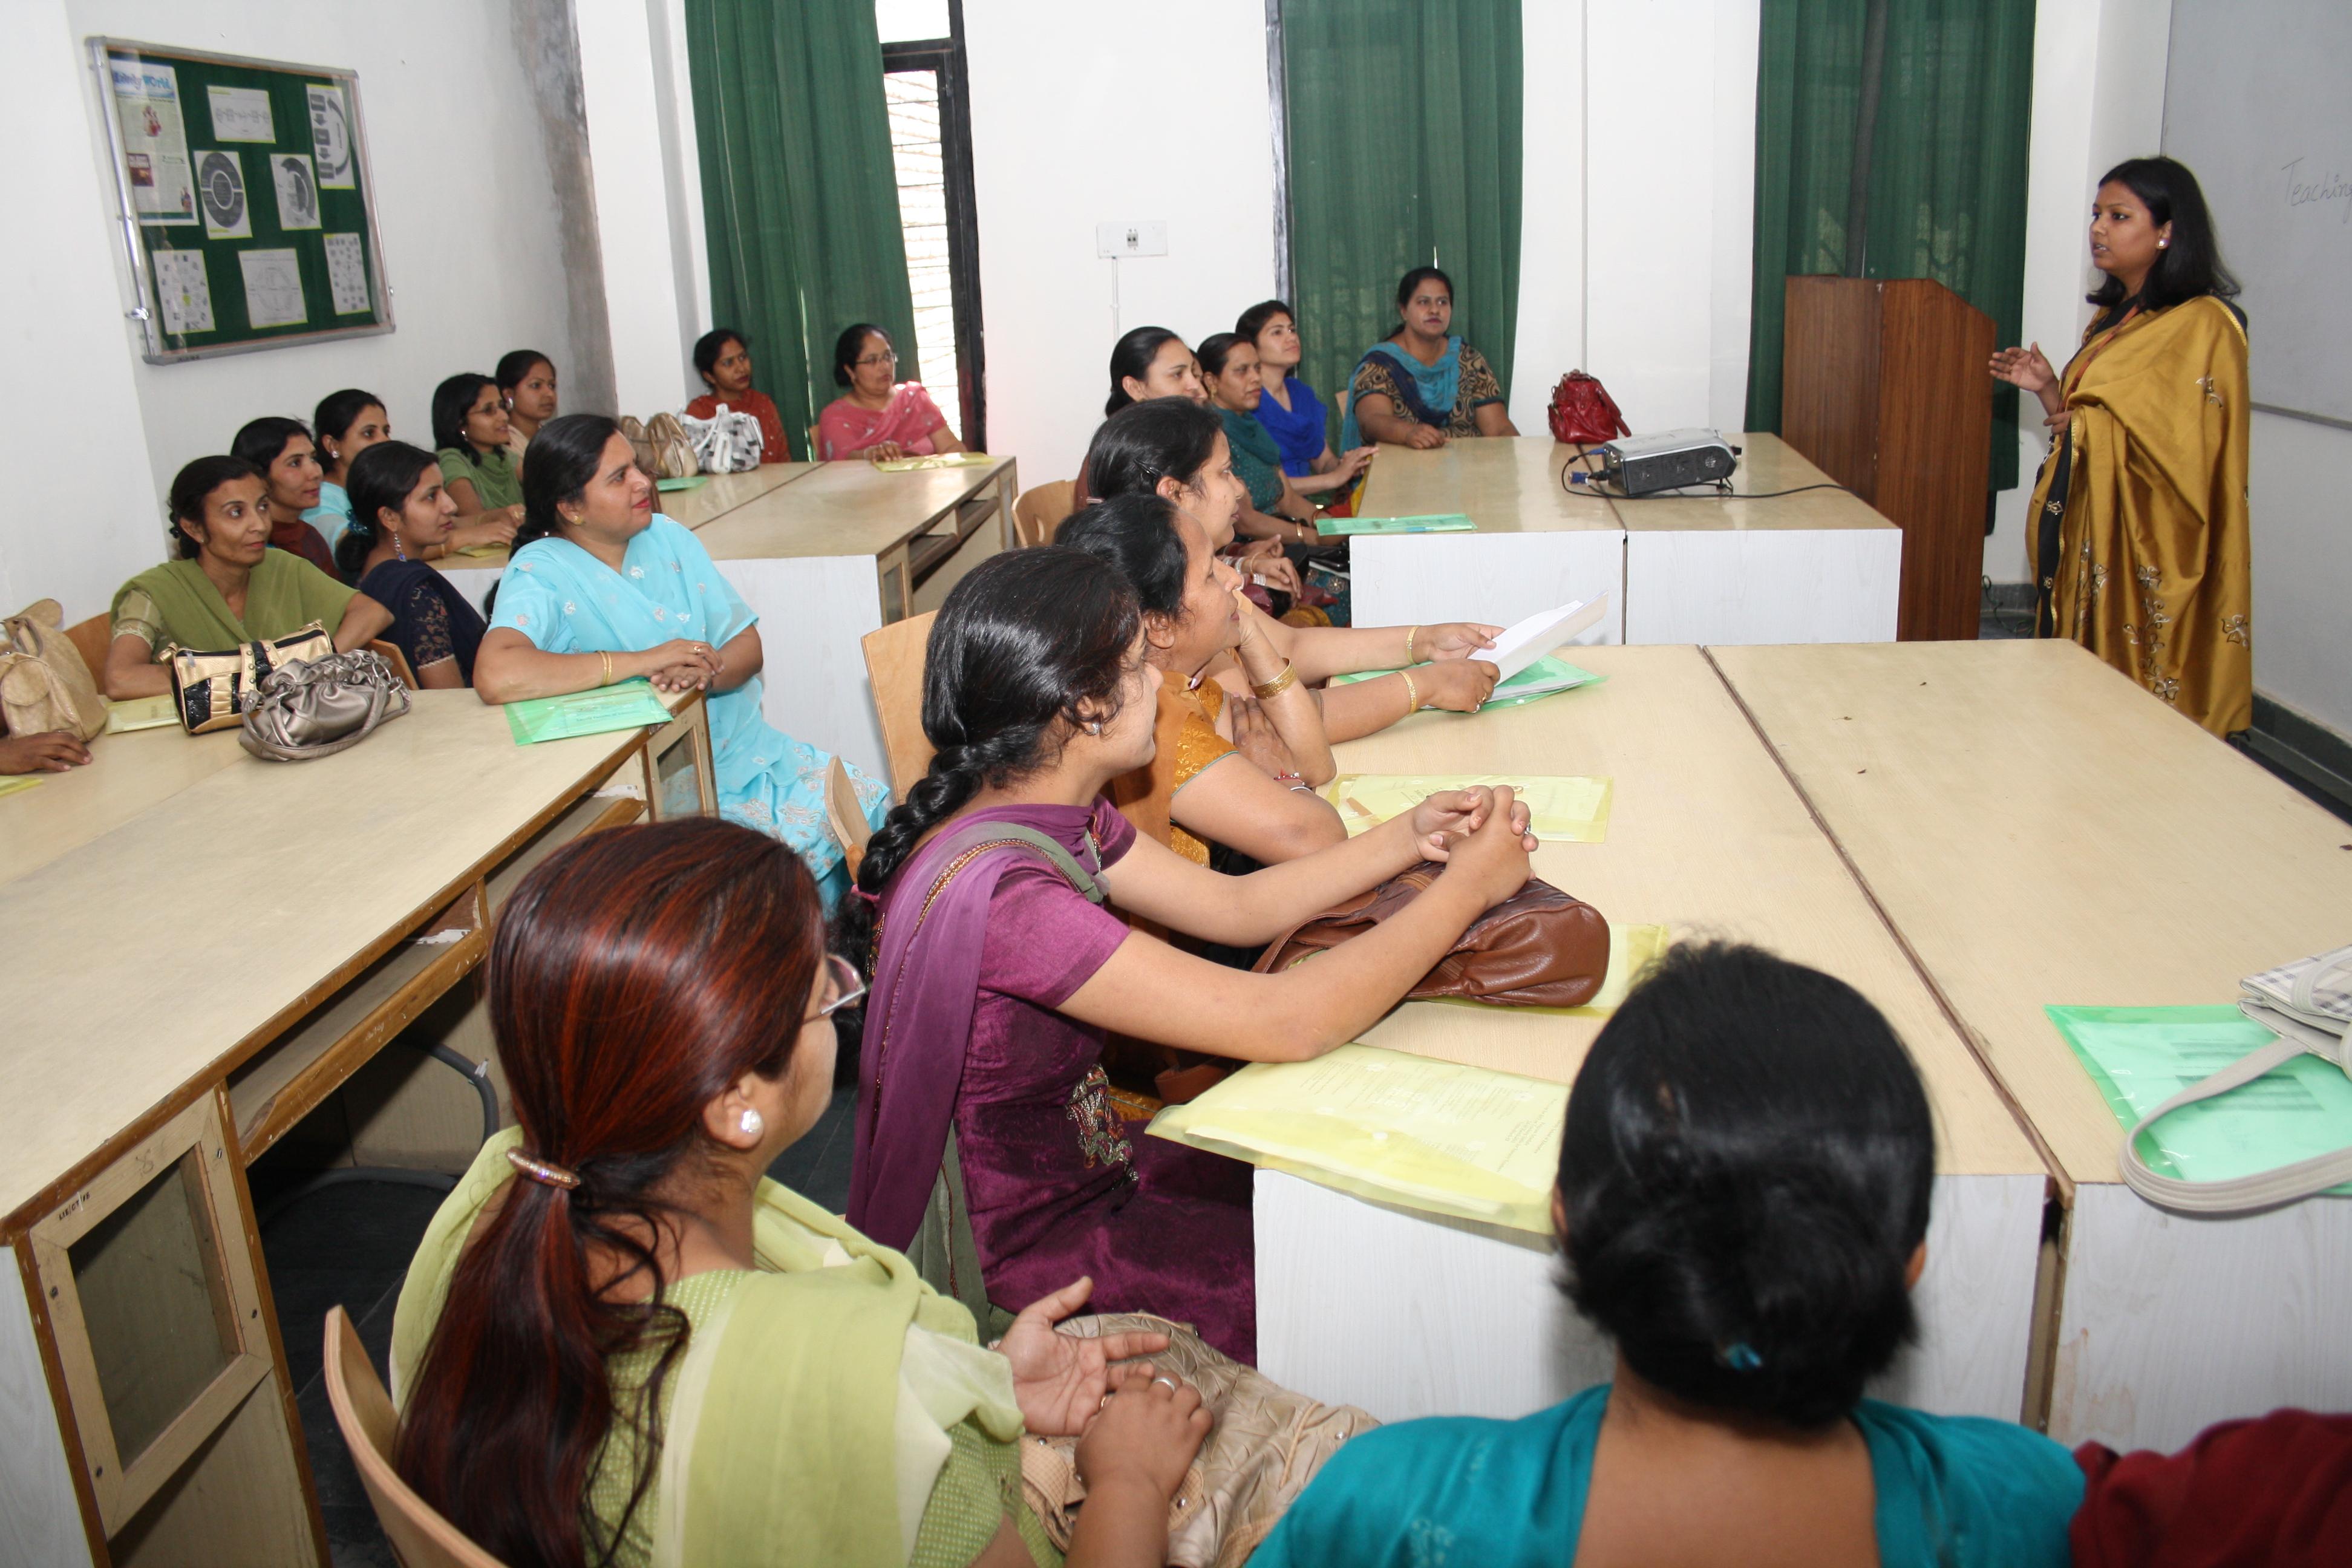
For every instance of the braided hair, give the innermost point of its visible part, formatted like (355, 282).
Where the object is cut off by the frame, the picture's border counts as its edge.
(1028, 646)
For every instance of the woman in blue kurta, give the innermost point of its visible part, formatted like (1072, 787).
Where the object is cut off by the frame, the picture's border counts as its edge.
(600, 588)
(1744, 1184)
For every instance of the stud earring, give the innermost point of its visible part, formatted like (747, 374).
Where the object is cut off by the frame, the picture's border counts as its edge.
(1094, 726)
(753, 1123)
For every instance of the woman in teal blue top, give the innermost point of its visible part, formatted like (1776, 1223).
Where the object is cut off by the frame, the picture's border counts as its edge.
(600, 588)
(1744, 1183)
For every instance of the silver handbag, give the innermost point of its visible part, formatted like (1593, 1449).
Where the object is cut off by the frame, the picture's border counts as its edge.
(316, 707)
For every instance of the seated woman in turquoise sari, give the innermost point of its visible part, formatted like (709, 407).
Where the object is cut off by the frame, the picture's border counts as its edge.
(601, 588)
(1422, 386)
(1744, 1184)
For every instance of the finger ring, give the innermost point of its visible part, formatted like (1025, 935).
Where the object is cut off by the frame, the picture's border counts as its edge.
(1105, 1403)
(1169, 1381)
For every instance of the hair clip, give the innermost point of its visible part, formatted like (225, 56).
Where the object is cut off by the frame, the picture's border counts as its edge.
(873, 898)
(543, 1171)
(1739, 1357)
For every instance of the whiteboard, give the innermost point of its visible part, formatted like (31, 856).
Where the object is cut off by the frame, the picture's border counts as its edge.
(2258, 103)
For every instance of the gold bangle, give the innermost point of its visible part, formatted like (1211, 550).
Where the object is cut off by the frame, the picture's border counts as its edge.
(1279, 684)
(1410, 633)
(606, 656)
(1412, 692)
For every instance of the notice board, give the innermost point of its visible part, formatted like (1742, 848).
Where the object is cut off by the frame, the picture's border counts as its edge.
(246, 208)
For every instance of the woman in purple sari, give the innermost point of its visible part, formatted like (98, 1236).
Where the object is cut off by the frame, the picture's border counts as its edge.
(997, 972)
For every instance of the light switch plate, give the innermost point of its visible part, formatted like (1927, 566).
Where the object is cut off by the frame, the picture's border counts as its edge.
(1130, 239)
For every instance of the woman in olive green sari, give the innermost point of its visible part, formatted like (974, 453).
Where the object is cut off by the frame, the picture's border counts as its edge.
(228, 586)
(2140, 517)
(620, 1343)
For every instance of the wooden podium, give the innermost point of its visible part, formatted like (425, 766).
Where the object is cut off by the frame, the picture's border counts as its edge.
(1884, 386)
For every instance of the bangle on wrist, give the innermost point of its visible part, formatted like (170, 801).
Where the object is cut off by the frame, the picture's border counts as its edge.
(1412, 692)
(1410, 633)
(1281, 683)
(607, 658)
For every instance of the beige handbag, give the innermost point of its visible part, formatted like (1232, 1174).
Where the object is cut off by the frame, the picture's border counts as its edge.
(318, 706)
(673, 456)
(44, 684)
(214, 690)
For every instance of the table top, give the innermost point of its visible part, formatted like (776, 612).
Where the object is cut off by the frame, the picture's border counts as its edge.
(126, 776)
(697, 508)
(1706, 836)
(1504, 484)
(152, 955)
(2042, 830)
(1766, 463)
(847, 508)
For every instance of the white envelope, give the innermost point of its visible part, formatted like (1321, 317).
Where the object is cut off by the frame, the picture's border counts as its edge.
(1537, 636)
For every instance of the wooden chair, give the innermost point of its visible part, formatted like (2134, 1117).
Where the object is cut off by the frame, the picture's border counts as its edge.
(894, 667)
(1041, 511)
(845, 815)
(397, 659)
(420, 1537)
(91, 638)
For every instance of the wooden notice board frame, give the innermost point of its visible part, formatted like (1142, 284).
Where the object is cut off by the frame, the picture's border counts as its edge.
(251, 178)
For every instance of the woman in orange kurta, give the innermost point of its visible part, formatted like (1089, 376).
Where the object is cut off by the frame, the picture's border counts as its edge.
(2142, 551)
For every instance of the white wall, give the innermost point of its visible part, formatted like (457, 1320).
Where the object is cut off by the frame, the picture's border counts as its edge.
(472, 247)
(83, 513)
(1550, 339)
(1086, 112)
(2303, 566)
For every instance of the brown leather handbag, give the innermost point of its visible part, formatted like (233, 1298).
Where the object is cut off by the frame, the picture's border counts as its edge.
(1539, 948)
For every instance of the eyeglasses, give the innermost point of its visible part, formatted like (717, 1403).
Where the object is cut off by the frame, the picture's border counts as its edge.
(846, 981)
(891, 358)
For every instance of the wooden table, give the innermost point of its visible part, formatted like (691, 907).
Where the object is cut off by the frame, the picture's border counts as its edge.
(706, 503)
(213, 948)
(1814, 567)
(1818, 566)
(2040, 830)
(1408, 1314)
(844, 552)
(1537, 546)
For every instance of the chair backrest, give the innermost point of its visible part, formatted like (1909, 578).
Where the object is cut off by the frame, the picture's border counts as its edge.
(397, 659)
(420, 1537)
(894, 667)
(814, 455)
(1041, 511)
(91, 638)
(845, 815)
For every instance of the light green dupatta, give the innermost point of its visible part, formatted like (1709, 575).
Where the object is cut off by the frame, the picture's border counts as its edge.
(780, 1447)
(285, 593)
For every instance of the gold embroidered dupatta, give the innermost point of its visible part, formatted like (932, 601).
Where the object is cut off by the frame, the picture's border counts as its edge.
(2153, 571)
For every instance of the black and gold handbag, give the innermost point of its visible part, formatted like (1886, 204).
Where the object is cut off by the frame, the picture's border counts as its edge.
(214, 690)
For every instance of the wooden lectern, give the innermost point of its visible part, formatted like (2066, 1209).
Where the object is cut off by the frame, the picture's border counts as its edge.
(1882, 385)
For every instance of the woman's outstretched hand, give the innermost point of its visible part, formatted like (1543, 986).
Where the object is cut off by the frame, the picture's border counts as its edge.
(1061, 1380)
(2025, 368)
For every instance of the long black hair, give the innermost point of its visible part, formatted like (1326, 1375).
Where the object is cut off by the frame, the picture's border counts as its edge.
(1136, 533)
(2191, 264)
(847, 346)
(191, 487)
(338, 412)
(384, 476)
(1030, 645)
(450, 401)
(558, 463)
(1144, 443)
(1132, 355)
(1745, 1174)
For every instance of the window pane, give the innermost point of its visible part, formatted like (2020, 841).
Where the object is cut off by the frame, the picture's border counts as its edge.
(914, 100)
(911, 20)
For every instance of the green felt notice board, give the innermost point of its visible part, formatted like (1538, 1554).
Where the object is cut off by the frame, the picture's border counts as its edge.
(247, 215)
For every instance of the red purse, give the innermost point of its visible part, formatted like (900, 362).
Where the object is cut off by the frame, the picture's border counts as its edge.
(1582, 411)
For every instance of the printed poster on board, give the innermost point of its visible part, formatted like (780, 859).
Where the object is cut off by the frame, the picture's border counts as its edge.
(241, 115)
(154, 140)
(181, 289)
(273, 287)
(331, 137)
(347, 278)
(298, 191)
(220, 186)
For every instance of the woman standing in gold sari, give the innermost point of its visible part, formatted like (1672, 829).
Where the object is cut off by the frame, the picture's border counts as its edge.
(2141, 551)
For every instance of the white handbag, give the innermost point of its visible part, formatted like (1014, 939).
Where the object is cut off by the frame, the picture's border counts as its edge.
(2308, 1005)
(726, 442)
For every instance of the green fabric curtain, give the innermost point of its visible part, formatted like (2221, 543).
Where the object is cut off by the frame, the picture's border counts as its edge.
(800, 196)
(1919, 131)
(1404, 145)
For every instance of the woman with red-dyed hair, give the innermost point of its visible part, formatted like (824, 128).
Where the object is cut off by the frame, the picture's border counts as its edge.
(621, 1343)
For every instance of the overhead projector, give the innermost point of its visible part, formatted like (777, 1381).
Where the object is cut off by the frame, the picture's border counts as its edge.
(1638, 465)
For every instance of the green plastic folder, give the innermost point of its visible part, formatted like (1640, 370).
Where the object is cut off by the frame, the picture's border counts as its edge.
(690, 482)
(2142, 1057)
(631, 705)
(1433, 522)
(1546, 677)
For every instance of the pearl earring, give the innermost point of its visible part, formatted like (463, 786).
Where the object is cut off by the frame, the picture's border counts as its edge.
(1094, 726)
(753, 1123)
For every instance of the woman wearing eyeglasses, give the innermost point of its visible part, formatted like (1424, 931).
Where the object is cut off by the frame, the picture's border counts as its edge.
(881, 418)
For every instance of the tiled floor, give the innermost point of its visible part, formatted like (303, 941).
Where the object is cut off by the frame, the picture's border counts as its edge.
(351, 1244)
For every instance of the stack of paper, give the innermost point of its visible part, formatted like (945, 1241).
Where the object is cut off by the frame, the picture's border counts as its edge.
(1398, 1129)
(140, 713)
(1432, 522)
(1544, 677)
(937, 460)
(1560, 809)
